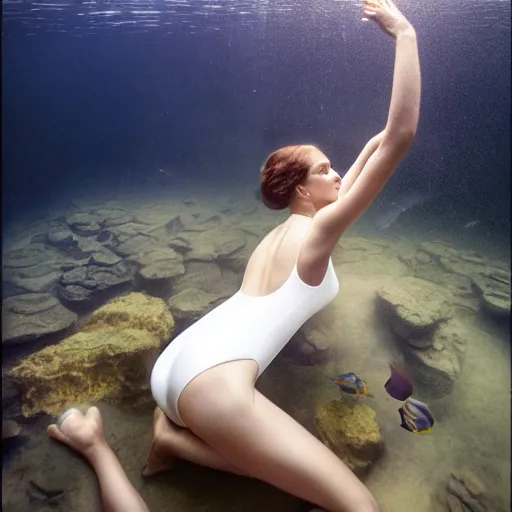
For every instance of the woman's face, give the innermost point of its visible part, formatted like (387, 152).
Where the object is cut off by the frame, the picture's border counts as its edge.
(322, 182)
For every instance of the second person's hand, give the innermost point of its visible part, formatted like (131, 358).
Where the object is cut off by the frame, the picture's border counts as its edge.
(387, 16)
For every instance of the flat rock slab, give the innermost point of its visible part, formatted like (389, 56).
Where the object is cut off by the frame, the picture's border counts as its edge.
(28, 317)
(494, 290)
(213, 243)
(136, 245)
(164, 263)
(210, 278)
(26, 257)
(192, 304)
(415, 307)
(37, 279)
(81, 284)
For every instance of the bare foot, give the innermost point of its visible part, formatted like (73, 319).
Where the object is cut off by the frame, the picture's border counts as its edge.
(159, 458)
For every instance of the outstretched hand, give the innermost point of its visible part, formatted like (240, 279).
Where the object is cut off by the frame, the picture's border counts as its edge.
(386, 15)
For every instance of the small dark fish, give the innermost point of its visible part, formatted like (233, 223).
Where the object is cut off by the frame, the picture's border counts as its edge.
(416, 417)
(398, 385)
(352, 384)
(163, 172)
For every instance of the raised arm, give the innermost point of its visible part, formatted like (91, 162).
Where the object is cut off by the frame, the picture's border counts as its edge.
(355, 170)
(333, 220)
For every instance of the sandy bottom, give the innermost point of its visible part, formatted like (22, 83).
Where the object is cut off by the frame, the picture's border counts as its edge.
(472, 430)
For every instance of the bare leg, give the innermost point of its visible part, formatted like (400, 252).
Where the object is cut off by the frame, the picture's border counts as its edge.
(170, 441)
(85, 435)
(254, 434)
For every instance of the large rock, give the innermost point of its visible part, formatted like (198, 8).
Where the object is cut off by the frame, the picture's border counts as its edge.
(168, 228)
(192, 304)
(465, 492)
(350, 429)
(29, 256)
(201, 222)
(41, 278)
(493, 287)
(93, 221)
(85, 223)
(82, 285)
(418, 312)
(203, 287)
(221, 283)
(490, 281)
(124, 232)
(213, 243)
(136, 311)
(114, 217)
(415, 308)
(159, 264)
(312, 344)
(137, 244)
(469, 275)
(157, 216)
(104, 258)
(109, 359)
(33, 315)
(61, 236)
(438, 367)
(237, 261)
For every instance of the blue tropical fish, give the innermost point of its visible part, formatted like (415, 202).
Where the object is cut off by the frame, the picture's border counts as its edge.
(398, 385)
(352, 384)
(416, 417)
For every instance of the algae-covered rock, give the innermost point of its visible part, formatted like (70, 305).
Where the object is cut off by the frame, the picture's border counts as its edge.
(134, 311)
(351, 431)
(86, 367)
(109, 359)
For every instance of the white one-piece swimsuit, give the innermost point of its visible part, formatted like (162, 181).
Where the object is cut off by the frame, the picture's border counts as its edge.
(243, 327)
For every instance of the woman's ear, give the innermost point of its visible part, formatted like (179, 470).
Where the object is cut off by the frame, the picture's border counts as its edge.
(302, 191)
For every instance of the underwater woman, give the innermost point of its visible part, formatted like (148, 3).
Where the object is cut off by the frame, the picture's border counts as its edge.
(209, 411)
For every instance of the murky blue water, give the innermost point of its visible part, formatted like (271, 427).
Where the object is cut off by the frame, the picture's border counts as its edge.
(166, 108)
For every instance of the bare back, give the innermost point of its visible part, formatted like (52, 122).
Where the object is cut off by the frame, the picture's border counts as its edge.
(272, 262)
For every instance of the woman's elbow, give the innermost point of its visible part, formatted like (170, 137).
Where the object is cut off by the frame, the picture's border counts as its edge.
(399, 141)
